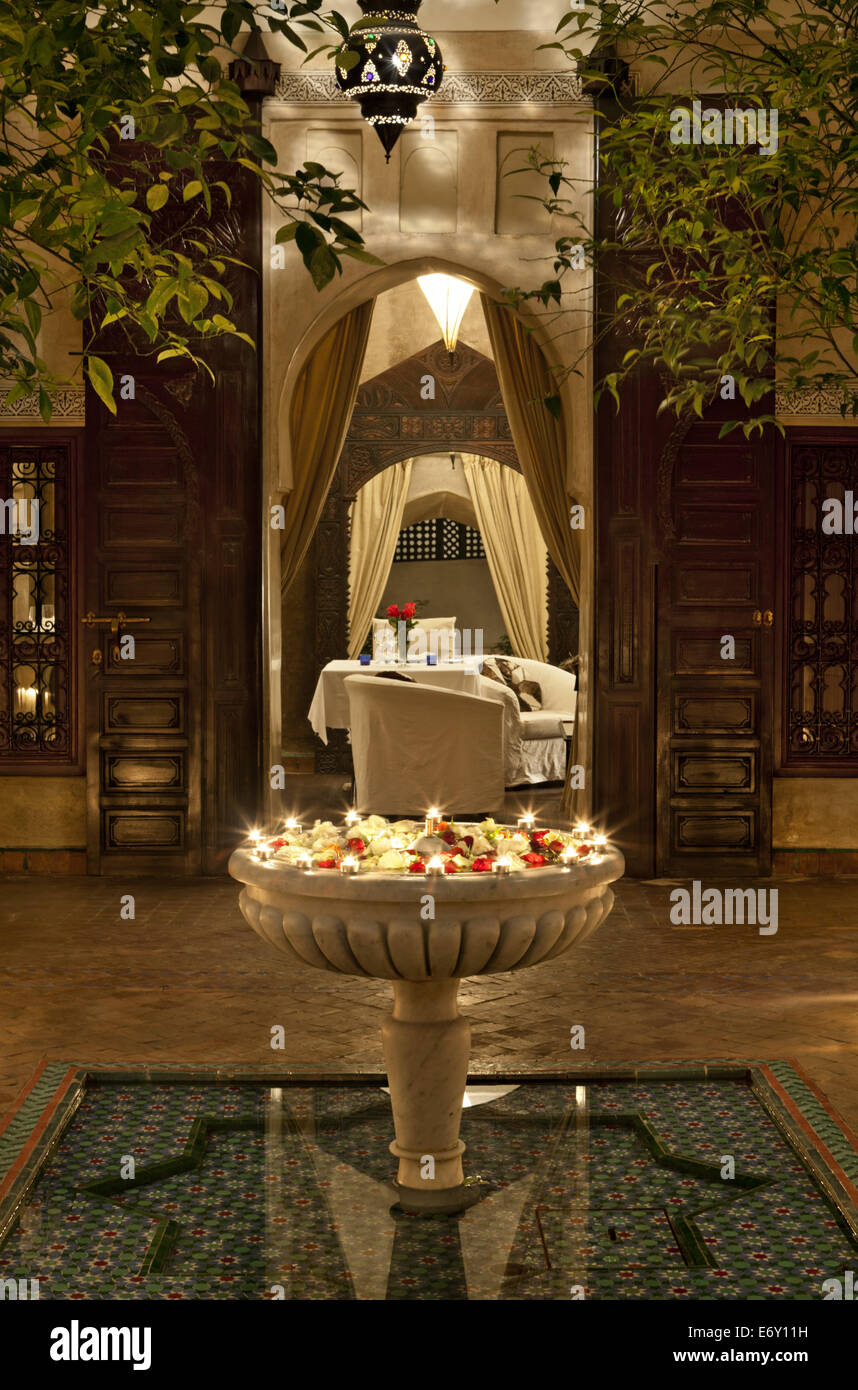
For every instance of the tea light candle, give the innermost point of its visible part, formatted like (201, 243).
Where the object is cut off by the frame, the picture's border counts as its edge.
(582, 828)
(254, 836)
(435, 865)
(502, 865)
(433, 820)
(568, 856)
(600, 840)
(527, 821)
(305, 861)
(353, 818)
(263, 852)
(349, 865)
(292, 824)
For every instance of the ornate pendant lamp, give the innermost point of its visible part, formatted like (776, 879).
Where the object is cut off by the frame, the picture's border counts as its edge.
(389, 66)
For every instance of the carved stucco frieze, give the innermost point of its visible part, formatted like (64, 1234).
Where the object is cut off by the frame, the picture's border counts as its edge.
(458, 88)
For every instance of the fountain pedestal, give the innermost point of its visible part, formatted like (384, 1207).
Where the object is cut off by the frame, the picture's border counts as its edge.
(371, 924)
(427, 1045)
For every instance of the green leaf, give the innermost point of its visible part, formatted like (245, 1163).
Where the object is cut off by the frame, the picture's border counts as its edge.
(156, 196)
(210, 69)
(323, 266)
(308, 238)
(230, 24)
(192, 190)
(34, 316)
(101, 380)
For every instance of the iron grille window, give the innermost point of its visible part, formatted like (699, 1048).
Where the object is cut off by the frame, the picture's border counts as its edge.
(822, 647)
(36, 716)
(439, 539)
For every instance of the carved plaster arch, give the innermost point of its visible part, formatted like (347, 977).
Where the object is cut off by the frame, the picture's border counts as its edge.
(370, 286)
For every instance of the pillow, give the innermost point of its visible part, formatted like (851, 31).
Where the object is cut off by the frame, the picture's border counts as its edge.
(528, 693)
(491, 670)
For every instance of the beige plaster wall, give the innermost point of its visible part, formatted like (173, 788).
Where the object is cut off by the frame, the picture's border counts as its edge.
(461, 589)
(43, 812)
(815, 813)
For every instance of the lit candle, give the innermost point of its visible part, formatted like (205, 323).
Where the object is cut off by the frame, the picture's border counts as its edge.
(433, 820)
(255, 836)
(502, 865)
(292, 824)
(435, 865)
(305, 860)
(349, 865)
(582, 828)
(600, 840)
(568, 855)
(26, 699)
(353, 818)
(263, 852)
(526, 822)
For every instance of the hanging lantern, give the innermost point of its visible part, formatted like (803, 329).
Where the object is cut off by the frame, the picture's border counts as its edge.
(448, 300)
(389, 66)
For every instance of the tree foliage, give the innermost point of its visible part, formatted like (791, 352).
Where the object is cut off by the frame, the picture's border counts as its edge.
(112, 117)
(720, 259)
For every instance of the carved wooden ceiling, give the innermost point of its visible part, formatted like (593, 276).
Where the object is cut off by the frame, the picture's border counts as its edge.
(432, 402)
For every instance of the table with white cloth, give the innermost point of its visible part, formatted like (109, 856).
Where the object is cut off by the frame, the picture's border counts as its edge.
(330, 706)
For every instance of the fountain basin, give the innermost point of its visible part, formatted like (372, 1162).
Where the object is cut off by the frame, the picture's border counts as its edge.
(425, 933)
(378, 924)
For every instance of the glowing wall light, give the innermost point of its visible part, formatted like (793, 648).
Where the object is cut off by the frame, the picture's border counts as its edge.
(448, 300)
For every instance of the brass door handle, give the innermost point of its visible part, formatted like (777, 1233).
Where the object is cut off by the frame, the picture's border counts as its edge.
(763, 619)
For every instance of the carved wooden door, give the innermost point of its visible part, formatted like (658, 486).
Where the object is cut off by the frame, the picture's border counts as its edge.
(715, 595)
(170, 647)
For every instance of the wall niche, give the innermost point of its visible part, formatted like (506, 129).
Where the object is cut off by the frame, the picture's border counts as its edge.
(429, 187)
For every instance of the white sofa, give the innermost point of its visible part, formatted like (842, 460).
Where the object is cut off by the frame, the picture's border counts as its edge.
(534, 741)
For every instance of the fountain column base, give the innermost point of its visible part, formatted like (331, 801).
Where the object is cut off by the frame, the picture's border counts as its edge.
(426, 1050)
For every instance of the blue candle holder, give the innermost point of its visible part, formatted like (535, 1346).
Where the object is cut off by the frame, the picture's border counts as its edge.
(431, 660)
(365, 658)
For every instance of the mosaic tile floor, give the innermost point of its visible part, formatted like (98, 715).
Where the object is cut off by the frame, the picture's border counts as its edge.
(598, 1187)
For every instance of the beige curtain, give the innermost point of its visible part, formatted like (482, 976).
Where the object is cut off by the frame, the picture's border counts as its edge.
(319, 418)
(376, 518)
(515, 551)
(539, 439)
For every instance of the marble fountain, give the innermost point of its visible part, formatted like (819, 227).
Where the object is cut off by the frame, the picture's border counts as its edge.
(425, 932)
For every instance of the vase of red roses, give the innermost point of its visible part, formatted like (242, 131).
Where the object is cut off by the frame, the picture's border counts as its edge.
(402, 620)
(407, 614)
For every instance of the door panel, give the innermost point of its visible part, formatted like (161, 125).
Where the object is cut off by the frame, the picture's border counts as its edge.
(143, 765)
(715, 714)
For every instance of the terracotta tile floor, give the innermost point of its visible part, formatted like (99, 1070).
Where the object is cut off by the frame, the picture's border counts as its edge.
(188, 981)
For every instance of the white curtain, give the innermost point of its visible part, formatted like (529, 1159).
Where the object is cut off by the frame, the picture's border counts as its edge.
(376, 519)
(515, 550)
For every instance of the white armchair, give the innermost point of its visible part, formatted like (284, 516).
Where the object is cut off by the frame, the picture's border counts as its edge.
(417, 746)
